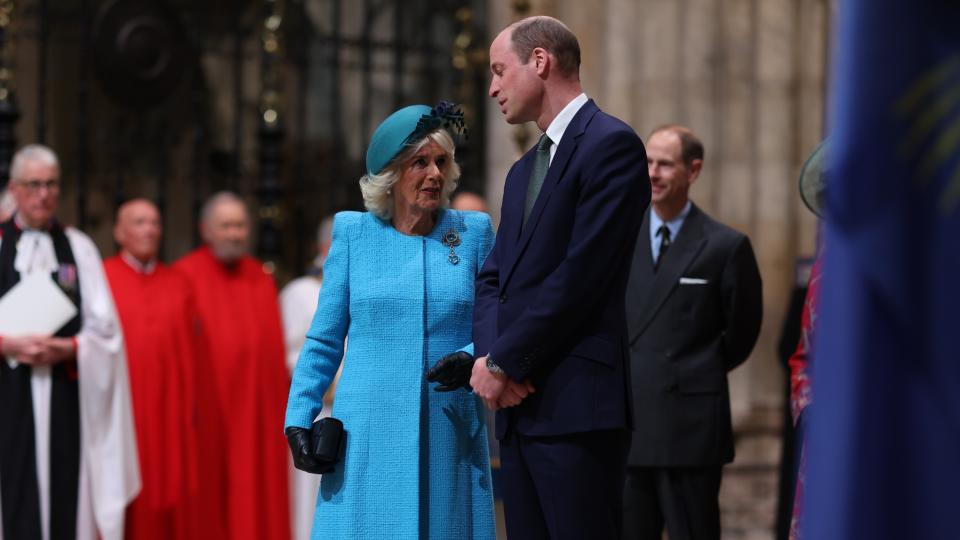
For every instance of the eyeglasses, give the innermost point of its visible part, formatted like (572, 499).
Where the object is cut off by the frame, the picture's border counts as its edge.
(34, 186)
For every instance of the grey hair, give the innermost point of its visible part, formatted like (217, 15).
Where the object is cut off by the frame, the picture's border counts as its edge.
(32, 153)
(376, 188)
(325, 230)
(216, 199)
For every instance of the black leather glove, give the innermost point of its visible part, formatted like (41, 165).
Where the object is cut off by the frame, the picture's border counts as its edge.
(452, 372)
(300, 445)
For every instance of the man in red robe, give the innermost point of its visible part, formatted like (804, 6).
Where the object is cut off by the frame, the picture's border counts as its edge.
(166, 362)
(237, 301)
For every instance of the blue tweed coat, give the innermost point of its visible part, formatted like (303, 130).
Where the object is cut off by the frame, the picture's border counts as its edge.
(416, 462)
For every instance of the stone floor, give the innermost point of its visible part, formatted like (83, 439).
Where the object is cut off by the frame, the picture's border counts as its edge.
(748, 494)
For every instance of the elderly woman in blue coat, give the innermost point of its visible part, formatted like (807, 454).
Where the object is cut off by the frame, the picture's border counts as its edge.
(399, 283)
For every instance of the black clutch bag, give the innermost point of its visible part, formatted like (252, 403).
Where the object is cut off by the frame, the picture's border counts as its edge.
(327, 435)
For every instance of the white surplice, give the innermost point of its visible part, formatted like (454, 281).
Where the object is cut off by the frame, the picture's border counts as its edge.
(298, 302)
(109, 472)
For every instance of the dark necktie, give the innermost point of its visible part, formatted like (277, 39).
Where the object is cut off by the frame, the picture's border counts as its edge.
(540, 165)
(663, 231)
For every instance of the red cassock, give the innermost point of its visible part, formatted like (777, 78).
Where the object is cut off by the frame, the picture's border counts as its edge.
(167, 362)
(240, 318)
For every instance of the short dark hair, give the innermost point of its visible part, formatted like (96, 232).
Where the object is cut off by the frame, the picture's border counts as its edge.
(550, 34)
(690, 146)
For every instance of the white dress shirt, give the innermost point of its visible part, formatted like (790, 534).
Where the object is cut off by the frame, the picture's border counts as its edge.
(559, 125)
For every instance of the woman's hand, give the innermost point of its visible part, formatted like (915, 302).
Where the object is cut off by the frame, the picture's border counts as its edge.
(452, 372)
(299, 440)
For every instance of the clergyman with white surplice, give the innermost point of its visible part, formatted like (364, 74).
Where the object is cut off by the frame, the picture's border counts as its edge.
(68, 458)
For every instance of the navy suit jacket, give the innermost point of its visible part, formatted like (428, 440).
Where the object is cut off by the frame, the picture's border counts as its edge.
(550, 297)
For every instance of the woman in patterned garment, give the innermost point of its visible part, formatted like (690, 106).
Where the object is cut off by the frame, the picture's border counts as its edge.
(813, 182)
(399, 283)
(800, 386)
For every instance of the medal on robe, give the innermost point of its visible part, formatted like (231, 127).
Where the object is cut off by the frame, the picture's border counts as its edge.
(67, 277)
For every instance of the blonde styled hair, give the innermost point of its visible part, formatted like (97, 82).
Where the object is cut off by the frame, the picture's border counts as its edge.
(376, 188)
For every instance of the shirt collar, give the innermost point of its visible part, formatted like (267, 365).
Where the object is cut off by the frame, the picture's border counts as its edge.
(559, 125)
(138, 266)
(674, 224)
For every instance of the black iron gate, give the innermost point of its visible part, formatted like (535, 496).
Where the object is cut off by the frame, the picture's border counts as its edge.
(274, 99)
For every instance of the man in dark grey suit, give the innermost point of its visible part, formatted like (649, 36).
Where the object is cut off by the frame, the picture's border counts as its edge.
(694, 307)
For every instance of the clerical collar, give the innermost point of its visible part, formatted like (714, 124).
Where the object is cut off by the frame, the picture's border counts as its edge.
(138, 266)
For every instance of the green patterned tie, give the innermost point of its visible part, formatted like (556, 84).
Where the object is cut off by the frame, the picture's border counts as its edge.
(540, 165)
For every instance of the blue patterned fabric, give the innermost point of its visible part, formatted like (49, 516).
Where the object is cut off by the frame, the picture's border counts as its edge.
(416, 462)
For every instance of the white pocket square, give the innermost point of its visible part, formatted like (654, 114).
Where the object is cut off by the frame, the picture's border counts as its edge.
(692, 281)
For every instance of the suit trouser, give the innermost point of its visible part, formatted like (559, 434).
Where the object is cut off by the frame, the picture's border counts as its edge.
(683, 498)
(565, 486)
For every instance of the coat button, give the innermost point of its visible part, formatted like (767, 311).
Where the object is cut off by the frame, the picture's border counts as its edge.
(503, 298)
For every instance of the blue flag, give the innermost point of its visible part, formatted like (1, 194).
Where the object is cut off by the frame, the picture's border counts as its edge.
(884, 432)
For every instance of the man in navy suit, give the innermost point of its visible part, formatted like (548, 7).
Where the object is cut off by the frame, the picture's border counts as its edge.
(549, 322)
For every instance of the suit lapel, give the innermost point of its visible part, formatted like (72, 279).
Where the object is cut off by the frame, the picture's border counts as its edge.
(690, 242)
(641, 275)
(568, 145)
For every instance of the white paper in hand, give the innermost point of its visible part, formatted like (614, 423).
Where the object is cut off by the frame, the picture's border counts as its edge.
(35, 306)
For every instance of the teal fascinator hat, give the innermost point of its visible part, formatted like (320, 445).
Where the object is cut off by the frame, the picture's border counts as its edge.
(407, 126)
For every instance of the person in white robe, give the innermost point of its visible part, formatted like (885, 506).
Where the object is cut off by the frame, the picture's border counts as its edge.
(298, 303)
(106, 469)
